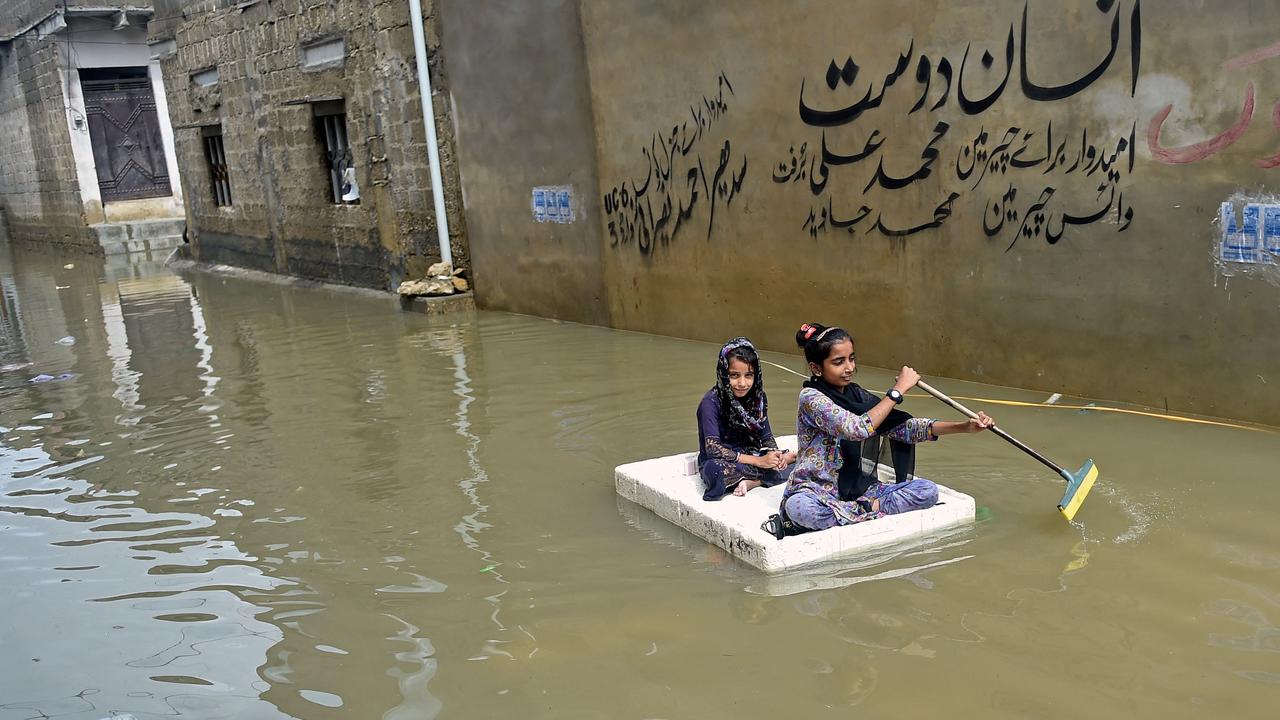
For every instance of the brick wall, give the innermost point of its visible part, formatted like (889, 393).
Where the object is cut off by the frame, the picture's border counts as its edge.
(39, 191)
(282, 217)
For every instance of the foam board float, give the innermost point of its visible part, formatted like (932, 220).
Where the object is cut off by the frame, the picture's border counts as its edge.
(671, 488)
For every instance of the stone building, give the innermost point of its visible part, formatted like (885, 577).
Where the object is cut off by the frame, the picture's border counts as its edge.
(299, 130)
(86, 150)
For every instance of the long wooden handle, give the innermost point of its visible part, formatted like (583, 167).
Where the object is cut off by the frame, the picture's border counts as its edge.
(1012, 440)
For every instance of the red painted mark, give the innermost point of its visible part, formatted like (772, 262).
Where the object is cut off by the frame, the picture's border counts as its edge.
(1271, 161)
(1200, 150)
(1252, 57)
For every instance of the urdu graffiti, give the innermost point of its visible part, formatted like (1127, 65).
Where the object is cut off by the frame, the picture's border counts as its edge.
(1196, 152)
(1018, 170)
(684, 174)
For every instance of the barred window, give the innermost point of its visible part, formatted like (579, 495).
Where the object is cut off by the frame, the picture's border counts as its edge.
(216, 159)
(331, 126)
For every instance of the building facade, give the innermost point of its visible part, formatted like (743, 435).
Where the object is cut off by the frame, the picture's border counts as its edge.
(1020, 193)
(86, 149)
(299, 130)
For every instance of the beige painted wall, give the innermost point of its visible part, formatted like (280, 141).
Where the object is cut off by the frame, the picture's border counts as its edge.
(1129, 307)
(519, 77)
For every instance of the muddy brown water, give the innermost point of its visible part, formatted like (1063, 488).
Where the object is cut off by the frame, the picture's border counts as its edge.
(234, 499)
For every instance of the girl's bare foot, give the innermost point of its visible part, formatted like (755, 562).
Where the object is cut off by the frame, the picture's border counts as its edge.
(746, 486)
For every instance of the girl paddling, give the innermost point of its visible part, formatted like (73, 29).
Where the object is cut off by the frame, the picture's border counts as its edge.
(831, 484)
(737, 451)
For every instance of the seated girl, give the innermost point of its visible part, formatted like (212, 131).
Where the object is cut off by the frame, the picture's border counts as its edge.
(831, 484)
(736, 448)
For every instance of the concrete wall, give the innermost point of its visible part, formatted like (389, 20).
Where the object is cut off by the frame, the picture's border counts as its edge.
(1026, 201)
(519, 76)
(39, 188)
(282, 218)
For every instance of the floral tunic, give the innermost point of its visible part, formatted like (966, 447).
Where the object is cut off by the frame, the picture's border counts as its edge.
(821, 425)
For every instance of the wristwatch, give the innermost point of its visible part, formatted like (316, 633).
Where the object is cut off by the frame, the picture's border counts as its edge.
(895, 396)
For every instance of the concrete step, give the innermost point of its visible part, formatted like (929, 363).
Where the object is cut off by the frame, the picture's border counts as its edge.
(139, 235)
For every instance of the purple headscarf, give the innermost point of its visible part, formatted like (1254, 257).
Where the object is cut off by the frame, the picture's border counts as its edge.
(746, 416)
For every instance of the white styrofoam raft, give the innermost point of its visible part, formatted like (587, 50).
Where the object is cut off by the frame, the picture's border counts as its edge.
(671, 488)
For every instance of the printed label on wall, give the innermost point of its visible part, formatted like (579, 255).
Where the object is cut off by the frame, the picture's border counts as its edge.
(1254, 238)
(553, 203)
(1271, 231)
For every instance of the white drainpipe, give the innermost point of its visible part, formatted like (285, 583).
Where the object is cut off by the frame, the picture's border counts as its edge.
(429, 121)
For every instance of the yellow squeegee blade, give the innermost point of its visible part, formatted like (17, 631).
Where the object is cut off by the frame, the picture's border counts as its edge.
(1078, 486)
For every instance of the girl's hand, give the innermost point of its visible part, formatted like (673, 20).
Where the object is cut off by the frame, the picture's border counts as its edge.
(907, 379)
(788, 457)
(983, 422)
(773, 460)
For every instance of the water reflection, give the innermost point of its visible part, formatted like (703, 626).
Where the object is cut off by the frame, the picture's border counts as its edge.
(82, 550)
(417, 700)
(471, 525)
(140, 606)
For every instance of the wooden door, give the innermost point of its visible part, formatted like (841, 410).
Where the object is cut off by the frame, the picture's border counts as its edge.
(125, 133)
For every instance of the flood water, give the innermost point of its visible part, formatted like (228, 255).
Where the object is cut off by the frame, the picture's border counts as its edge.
(223, 498)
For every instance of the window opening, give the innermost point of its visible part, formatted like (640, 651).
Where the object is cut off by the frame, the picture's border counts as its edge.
(331, 124)
(215, 156)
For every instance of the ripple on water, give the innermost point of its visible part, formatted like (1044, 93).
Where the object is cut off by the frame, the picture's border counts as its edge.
(1264, 638)
(323, 699)
(186, 617)
(1269, 678)
(1253, 559)
(420, 584)
(181, 680)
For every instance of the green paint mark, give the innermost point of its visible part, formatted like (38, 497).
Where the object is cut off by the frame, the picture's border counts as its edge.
(491, 567)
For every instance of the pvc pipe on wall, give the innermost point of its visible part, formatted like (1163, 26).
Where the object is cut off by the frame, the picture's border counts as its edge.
(429, 121)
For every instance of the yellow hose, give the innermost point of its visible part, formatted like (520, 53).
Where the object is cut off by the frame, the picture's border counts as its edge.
(1099, 408)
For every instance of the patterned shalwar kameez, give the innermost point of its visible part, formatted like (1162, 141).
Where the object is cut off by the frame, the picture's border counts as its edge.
(811, 498)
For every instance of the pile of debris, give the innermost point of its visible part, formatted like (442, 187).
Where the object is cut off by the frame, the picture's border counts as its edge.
(442, 279)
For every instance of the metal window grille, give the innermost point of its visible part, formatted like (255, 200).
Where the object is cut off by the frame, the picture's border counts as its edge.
(216, 158)
(331, 119)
